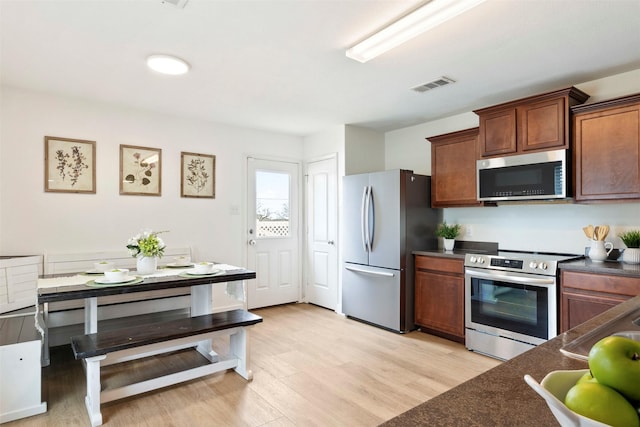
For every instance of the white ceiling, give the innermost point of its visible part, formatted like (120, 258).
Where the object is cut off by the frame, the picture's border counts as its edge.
(279, 65)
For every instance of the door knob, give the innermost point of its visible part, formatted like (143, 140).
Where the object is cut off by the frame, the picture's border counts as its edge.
(331, 242)
(252, 242)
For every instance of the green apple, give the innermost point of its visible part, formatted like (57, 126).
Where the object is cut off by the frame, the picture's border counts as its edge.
(587, 377)
(601, 403)
(615, 361)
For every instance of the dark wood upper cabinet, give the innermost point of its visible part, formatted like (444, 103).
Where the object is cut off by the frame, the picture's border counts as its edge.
(453, 169)
(607, 150)
(536, 123)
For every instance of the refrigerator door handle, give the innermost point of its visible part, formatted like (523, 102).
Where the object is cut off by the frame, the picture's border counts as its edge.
(363, 207)
(371, 228)
(375, 273)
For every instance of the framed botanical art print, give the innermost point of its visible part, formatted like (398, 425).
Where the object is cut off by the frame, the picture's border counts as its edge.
(69, 165)
(198, 175)
(140, 170)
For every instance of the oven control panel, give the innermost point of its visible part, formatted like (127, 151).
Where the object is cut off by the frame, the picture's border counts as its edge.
(515, 264)
(520, 262)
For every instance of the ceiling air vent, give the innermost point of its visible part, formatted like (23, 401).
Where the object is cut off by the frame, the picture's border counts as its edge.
(441, 81)
(177, 3)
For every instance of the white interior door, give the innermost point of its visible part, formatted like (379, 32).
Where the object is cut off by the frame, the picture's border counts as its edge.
(273, 240)
(322, 221)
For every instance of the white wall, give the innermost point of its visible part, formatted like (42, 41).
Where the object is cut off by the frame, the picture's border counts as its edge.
(408, 148)
(364, 150)
(541, 227)
(322, 143)
(35, 222)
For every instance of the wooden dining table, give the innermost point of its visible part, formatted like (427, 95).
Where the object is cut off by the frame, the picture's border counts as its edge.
(89, 291)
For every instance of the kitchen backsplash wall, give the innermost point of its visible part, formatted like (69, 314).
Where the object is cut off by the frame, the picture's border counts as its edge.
(543, 227)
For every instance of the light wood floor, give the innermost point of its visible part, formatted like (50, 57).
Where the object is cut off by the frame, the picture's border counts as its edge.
(311, 367)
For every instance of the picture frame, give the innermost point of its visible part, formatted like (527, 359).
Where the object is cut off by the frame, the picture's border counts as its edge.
(140, 170)
(69, 165)
(197, 175)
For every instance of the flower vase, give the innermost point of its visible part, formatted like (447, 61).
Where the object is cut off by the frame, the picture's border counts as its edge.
(146, 264)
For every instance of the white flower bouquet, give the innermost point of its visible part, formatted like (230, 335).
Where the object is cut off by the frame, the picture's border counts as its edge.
(146, 244)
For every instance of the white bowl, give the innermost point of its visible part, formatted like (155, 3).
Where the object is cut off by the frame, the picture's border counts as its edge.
(203, 267)
(553, 389)
(116, 274)
(103, 266)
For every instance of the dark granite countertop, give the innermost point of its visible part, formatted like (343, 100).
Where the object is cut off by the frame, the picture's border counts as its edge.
(616, 268)
(500, 397)
(460, 249)
(442, 253)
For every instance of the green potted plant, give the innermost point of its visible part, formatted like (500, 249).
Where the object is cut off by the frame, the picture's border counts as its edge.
(448, 234)
(631, 239)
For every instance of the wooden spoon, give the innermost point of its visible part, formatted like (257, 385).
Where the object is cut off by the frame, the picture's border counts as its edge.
(588, 231)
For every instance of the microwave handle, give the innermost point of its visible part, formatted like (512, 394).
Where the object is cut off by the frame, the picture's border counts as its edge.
(513, 279)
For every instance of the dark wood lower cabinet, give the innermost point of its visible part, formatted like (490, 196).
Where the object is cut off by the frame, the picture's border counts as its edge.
(585, 295)
(439, 299)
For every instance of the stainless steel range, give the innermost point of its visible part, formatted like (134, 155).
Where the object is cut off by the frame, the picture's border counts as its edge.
(511, 301)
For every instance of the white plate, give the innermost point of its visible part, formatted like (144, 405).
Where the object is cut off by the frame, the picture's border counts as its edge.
(211, 273)
(105, 281)
(177, 265)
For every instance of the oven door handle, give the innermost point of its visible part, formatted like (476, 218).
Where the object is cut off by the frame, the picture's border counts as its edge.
(509, 278)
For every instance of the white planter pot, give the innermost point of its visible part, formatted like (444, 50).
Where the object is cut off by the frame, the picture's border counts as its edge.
(631, 256)
(448, 244)
(146, 265)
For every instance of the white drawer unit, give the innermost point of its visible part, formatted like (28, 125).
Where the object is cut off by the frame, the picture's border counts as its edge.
(19, 281)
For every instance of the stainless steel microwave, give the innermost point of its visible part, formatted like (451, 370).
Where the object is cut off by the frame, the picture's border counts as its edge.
(533, 176)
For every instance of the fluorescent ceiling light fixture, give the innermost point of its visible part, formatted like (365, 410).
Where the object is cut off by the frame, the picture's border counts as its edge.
(167, 64)
(417, 22)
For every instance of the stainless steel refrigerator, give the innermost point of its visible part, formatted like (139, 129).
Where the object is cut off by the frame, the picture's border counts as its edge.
(387, 215)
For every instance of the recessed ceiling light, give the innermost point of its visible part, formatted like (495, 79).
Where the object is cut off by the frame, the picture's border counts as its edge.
(167, 64)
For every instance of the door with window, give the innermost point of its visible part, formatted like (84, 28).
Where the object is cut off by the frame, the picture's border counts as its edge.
(273, 245)
(322, 224)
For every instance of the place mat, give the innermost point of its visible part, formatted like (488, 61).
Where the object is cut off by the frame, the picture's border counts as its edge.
(93, 284)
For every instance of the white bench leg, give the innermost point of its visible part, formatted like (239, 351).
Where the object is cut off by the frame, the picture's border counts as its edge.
(239, 347)
(92, 400)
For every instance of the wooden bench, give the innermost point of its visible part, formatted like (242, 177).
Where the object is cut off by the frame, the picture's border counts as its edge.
(116, 346)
